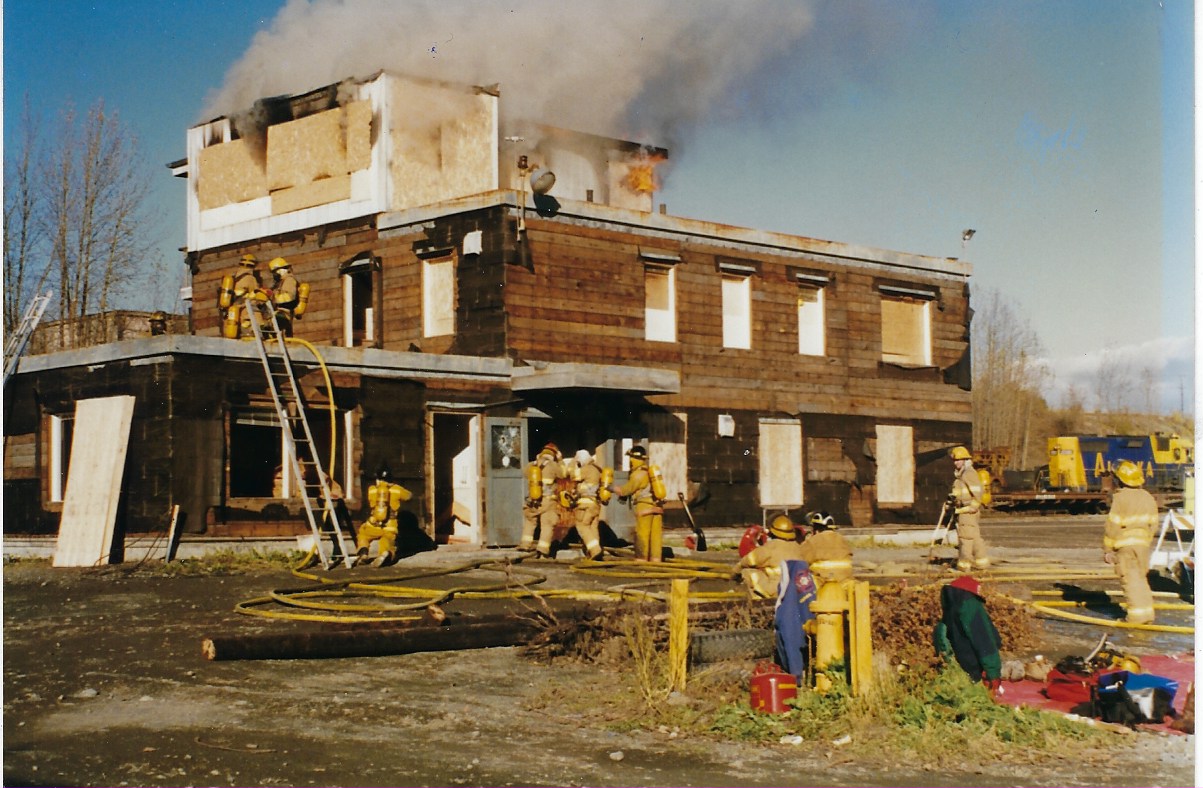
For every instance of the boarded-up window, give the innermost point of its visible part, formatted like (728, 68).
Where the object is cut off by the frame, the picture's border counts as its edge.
(660, 301)
(895, 465)
(666, 446)
(438, 297)
(906, 331)
(812, 334)
(737, 311)
(780, 463)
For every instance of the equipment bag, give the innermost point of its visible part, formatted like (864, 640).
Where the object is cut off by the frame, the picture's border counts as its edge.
(1133, 698)
(1073, 687)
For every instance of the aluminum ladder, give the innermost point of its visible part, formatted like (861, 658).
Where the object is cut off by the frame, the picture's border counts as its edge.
(15, 345)
(298, 439)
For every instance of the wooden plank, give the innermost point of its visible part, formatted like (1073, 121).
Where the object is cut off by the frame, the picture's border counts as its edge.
(98, 451)
(173, 533)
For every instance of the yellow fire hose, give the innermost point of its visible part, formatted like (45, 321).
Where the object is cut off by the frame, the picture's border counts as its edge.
(326, 596)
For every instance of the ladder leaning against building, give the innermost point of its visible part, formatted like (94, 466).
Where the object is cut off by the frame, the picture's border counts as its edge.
(15, 344)
(298, 439)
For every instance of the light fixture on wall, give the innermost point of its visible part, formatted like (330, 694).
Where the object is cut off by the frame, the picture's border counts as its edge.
(726, 425)
(541, 182)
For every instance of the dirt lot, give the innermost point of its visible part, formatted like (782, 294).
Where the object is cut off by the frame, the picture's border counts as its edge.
(105, 684)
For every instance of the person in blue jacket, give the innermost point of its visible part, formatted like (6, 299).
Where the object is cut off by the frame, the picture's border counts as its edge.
(966, 634)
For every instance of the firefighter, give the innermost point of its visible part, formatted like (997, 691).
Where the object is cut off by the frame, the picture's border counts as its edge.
(966, 634)
(587, 499)
(761, 568)
(541, 514)
(286, 294)
(234, 290)
(158, 323)
(1127, 538)
(645, 491)
(966, 498)
(826, 550)
(385, 499)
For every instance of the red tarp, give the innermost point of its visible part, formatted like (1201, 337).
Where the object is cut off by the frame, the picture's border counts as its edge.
(1180, 668)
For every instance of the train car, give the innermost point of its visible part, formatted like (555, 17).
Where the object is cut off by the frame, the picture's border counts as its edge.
(1083, 463)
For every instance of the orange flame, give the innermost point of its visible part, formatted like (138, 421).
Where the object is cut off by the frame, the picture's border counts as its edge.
(641, 175)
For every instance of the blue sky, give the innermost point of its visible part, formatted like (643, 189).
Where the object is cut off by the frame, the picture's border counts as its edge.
(1061, 131)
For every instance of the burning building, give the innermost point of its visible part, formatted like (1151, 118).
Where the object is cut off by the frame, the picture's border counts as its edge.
(478, 289)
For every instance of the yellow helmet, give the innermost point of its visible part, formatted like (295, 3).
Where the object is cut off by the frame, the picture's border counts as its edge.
(277, 263)
(1129, 474)
(961, 453)
(782, 527)
(248, 260)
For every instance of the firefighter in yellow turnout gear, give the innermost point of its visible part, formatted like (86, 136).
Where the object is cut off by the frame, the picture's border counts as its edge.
(826, 550)
(590, 492)
(645, 491)
(289, 296)
(385, 499)
(1127, 540)
(967, 496)
(541, 512)
(235, 288)
(761, 567)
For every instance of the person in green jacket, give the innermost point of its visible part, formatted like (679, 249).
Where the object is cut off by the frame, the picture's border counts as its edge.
(966, 634)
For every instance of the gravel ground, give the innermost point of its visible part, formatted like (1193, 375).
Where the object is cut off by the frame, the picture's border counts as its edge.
(105, 684)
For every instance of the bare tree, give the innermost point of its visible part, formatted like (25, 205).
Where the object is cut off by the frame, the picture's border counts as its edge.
(96, 215)
(24, 228)
(1008, 377)
(1114, 383)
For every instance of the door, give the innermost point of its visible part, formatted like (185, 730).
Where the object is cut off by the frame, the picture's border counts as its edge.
(456, 475)
(505, 481)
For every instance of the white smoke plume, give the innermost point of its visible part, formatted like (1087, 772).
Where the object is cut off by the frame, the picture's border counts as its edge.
(639, 69)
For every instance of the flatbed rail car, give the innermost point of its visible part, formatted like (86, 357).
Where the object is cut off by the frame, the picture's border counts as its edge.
(1054, 502)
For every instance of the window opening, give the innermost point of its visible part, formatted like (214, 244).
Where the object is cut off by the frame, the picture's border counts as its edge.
(812, 324)
(62, 431)
(660, 303)
(737, 311)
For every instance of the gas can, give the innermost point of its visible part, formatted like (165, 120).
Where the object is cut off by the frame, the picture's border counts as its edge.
(770, 691)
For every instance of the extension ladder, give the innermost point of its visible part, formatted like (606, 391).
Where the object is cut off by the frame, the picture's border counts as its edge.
(16, 343)
(298, 439)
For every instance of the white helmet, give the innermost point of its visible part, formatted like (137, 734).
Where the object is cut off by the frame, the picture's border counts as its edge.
(583, 456)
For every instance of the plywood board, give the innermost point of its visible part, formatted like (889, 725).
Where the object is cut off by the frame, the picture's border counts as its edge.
(230, 172)
(780, 463)
(895, 464)
(98, 450)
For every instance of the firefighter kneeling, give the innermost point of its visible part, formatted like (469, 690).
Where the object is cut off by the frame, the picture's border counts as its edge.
(385, 499)
(761, 566)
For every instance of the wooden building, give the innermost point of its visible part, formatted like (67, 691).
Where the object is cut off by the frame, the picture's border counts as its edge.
(465, 309)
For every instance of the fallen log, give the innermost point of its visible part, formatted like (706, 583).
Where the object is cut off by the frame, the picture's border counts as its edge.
(369, 642)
